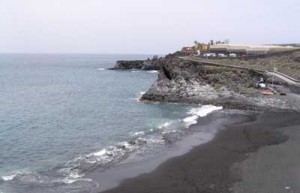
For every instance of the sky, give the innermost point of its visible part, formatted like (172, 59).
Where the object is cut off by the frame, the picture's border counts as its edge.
(142, 26)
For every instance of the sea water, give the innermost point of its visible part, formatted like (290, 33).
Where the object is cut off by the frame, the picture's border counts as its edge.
(63, 116)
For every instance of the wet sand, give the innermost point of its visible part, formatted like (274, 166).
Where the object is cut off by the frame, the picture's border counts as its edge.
(222, 164)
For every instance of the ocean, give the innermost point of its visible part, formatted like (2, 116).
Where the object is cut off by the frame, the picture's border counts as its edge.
(65, 117)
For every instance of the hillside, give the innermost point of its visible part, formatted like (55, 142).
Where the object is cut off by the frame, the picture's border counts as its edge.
(288, 63)
(182, 81)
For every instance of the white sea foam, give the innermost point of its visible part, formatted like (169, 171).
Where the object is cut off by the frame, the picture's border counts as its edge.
(164, 125)
(75, 175)
(99, 153)
(139, 133)
(190, 120)
(72, 175)
(155, 141)
(15, 174)
(103, 156)
(164, 133)
(124, 145)
(72, 180)
(153, 71)
(199, 112)
(26, 177)
(69, 180)
(101, 69)
(66, 175)
(139, 96)
(204, 110)
(111, 153)
(9, 178)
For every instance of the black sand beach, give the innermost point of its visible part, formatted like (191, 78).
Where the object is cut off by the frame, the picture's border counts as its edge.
(222, 164)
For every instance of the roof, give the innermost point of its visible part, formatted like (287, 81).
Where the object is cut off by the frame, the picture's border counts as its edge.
(249, 48)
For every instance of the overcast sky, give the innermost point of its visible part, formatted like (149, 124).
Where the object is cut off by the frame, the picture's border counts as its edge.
(142, 26)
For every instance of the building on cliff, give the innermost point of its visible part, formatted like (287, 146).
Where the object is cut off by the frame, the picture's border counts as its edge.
(225, 49)
(189, 50)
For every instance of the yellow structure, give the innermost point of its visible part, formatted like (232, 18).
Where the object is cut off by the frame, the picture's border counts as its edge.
(201, 47)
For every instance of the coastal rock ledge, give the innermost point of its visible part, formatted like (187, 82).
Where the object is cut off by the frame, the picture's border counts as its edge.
(150, 64)
(181, 81)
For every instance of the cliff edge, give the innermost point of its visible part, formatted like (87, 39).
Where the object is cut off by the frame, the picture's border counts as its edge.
(181, 81)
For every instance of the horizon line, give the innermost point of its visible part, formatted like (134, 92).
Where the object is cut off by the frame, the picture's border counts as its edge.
(91, 53)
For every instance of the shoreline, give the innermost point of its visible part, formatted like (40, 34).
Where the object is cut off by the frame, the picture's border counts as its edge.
(177, 143)
(210, 167)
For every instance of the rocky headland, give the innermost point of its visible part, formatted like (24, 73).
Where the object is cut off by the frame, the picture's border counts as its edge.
(244, 153)
(154, 63)
(181, 81)
(150, 64)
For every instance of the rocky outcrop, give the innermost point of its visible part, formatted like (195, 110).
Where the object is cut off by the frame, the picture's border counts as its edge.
(181, 81)
(189, 82)
(149, 64)
(126, 65)
(153, 64)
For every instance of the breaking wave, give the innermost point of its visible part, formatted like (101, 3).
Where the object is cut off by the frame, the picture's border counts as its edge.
(163, 133)
(63, 176)
(139, 95)
(10, 177)
(199, 112)
(74, 170)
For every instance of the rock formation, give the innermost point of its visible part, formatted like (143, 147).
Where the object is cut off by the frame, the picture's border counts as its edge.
(188, 82)
(149, 64)
(181, 81)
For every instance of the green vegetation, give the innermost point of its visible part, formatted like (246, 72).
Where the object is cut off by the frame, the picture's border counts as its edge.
(288, 63)
(242, 81)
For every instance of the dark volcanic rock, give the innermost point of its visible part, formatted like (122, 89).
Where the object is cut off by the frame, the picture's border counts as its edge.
(155, 63)
(126, 65)
(181, 81)
(150, 64)
(188, 82)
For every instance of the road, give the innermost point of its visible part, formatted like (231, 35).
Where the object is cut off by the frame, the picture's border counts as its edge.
(282, 77)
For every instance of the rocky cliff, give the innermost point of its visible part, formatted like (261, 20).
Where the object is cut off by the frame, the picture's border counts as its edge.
(181, 81)
(189, 82)
(149, 64)
(155, 63)
(128, 64)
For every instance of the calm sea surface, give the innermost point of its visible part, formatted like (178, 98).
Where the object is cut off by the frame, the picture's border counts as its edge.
(64, 115)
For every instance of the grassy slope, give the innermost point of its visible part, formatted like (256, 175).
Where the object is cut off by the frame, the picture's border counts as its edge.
(288, 63)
